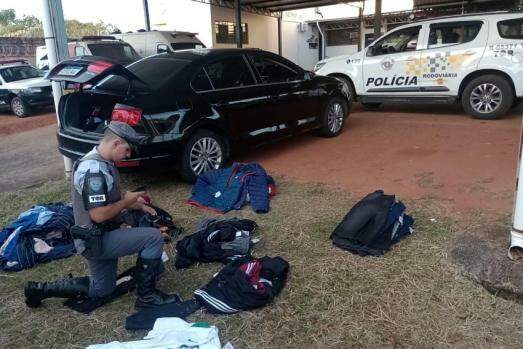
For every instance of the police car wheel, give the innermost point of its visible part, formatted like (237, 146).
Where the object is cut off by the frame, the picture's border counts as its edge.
(204, 151)
(487, 97)
(19, 107)
(333, 118)
(371, 105)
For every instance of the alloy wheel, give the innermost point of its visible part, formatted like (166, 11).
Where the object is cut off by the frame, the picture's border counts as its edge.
(17, 107)
(486, 98)
(335, 117)
(206, 154)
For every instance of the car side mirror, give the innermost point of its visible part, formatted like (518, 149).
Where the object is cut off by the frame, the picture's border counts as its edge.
(162, 48)
(370, 51)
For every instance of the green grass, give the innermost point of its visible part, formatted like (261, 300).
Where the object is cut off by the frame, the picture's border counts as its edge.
(411, 297)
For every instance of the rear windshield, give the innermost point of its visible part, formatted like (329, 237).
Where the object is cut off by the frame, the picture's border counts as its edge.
(155, 72)
(185, 45)
(123, 53)
(20, 73)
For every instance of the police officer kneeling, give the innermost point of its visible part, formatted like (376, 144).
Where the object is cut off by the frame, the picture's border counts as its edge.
(97, 206)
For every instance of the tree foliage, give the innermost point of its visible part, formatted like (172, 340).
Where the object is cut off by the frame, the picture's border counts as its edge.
(30, 26)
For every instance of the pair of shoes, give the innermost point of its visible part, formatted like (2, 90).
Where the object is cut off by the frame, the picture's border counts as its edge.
(146, 274)
(71, 287)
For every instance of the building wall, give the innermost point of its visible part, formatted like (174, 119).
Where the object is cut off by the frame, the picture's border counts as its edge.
(263, 30)
(23, 48)
(295, 44)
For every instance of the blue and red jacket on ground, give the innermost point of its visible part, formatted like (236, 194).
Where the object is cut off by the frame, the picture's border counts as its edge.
(230, 188)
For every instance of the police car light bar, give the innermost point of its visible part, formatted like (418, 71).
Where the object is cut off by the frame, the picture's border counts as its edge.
(11, 61)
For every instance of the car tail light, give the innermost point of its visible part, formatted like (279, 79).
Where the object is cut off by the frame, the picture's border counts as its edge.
(124, 113)
(128, 163)
(99, 66)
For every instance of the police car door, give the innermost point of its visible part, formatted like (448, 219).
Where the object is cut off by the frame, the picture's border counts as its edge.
(389, 66)
(453, 50)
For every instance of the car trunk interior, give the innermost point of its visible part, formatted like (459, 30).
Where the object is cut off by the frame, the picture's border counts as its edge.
(87, 112)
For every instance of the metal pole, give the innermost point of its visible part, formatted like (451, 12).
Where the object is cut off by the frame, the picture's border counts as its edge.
(239, 41)
(279, 35)
(516, 233)
(146, 15)
(56, 43)
(377, 20)
(361, 28)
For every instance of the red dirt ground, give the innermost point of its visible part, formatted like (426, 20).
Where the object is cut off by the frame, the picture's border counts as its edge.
(443, 154)
(411, 151)
(10, 124)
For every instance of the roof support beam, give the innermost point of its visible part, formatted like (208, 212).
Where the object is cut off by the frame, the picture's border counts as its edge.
(238, 11)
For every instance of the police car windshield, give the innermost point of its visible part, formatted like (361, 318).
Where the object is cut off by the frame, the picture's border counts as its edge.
(20, 73)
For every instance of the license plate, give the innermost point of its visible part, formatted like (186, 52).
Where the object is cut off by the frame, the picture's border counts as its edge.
(70, 71)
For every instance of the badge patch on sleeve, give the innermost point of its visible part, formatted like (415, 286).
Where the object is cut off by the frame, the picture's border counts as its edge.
(94, 199)
(95, 184)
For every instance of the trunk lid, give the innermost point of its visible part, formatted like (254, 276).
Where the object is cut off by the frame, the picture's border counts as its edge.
(89, 70)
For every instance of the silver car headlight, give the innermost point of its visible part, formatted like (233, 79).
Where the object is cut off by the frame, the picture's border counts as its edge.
(318, 66)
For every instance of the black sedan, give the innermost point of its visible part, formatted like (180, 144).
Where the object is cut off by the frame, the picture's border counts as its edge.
(196, 107)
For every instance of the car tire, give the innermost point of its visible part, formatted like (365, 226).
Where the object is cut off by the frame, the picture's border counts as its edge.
(214, 152)
(371, 105)
(19, 107)
(347, 85)
(496, 89)
(333, 117)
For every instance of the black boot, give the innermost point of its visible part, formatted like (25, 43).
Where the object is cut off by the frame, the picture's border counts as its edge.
(71, 287)
(147, 271)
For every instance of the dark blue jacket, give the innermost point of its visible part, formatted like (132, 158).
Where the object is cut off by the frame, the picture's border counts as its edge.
(230, 188)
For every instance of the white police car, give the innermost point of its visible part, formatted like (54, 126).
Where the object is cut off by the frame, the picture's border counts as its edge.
(23, 87)
(476, 59)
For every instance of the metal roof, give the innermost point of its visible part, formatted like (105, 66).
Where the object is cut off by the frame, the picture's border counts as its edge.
(275, 7)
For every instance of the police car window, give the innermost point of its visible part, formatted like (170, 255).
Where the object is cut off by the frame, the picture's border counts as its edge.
(453, 33)
(230, 72)
(79, 51)
(271, 71)
(201, 81)
(511, 29)
(402, 40)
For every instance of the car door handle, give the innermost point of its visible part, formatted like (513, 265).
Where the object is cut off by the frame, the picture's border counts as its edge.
(411, 59)
(469, 53)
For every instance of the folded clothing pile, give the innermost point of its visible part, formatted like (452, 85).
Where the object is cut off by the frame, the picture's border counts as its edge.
(39, 235)
(216, 240)
(230, 188)
(373, 225)
(173, 333)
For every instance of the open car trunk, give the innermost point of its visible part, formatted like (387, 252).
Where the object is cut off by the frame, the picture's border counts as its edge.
(87, 112)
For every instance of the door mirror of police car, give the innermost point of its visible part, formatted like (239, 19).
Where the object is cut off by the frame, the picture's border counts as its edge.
(162, 48)
(370, 51)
